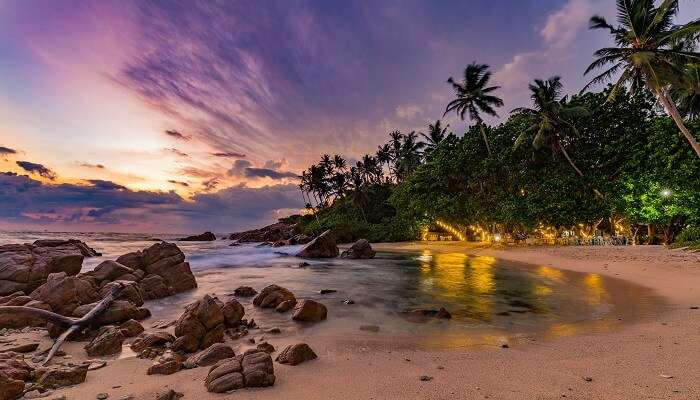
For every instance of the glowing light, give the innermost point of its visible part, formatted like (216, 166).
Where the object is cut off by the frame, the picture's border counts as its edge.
(449, 228)
(497, 237)
(666, 193)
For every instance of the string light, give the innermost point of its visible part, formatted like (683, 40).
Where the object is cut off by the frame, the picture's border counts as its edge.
(456, 232)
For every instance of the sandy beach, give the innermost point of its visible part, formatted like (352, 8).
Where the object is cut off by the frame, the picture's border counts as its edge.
(653, 358)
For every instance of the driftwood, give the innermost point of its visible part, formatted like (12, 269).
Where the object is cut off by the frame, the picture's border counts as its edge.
(72, 324)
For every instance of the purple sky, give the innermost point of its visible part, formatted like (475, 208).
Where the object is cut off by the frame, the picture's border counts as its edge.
(182, 116)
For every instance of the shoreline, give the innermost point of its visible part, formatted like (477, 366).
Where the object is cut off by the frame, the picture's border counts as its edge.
(625, 362)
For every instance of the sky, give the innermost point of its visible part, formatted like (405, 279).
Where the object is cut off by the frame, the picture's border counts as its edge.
(185, 116)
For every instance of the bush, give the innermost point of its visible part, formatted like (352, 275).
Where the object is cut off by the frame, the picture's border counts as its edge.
(689, 234)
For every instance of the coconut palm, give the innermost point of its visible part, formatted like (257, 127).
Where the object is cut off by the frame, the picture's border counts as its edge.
(687, 95)
(473, 97)
(436, 134)
(650, 52)
(549, 120)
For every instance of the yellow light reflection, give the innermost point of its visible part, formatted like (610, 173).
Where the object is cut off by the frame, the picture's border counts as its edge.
(595, 287)
(550, 273)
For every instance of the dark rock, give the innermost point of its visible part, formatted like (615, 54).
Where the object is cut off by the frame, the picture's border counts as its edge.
(110, 270)
(327, 291)
(154, 287)
(56, 376)
(131, 328)
(10, 389)
(204, 237)
(152, 339)
(14, 366)
(233, 312)
(64, 293)
(271, 233)
(21, 348)
(299, 239)
(296, 354)
(170, 395)
(131, 292)
(245, 291)
(166, 365)
(168, 261)
(266, 347)
(285, 306)
(108, 341)
(252, 369)
(424, 314)
(309, 311)
(133, 260)
(210, 356)
(348, 301)
(426, 378)
(201, 325)
(359, 250)
(271, 296)
(323, 246)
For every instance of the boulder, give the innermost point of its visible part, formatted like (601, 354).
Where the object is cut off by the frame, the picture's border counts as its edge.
(201, 325)
(108, 341)
(10, 389)
(271, 296)
(56, 376)
(424, 314)
(110, 270)
(24, 267)
(154, 287)
(285, 306)
(65, 293)
(152, 339)
(14, 367)
(266, 347)
(296, 354)
(9, 320)
(252, 369)
(204, 237)
(299, 239)
(170, 395)
(168, 364)
(271, 233)
(309, 311)
(210, 356)
(119, 311)
(233, 312)
(245, 291)
(133, 260)
(131, 328)
(168, 261)
(359, 250)
(323, 246)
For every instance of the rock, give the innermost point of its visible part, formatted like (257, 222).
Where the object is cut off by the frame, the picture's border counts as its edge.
(233, 312)
(299, 239)
(10, 389)
(168, 261)
(64, 293)
(210, 356)
(296, 354)
(273, 331)
(271, 233)
(369, 328)
(323, 246)
(327, 291)
(279, 243)
(426, 378)
(36, 394)
(252, 369)
(131, 328)
(110, 270)
(204, 237)
(119, 311)
(14, 366)
(25, 267)
(9, 320)
(201, 325)
(21, 348)
(348, 302)
(359, 250)
(56, 376)
(96, 364)
(303, 264)
(152, 339)
(170, 395)
(245, 291)
(285, 306)
(131, 292)
(271, 296)
(108, 341)
(423, 314)
(266, 347)
(167, 365)
(154, 287)
(133, 260)
(309, 311)
(102, 396)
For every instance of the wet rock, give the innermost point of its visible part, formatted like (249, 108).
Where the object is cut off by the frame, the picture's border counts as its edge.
(348, 302)
(154, 287)
(152, 339)
(119, 311)
(274, 331)
(170, 395)
(131, 291)
(233, 312)
(10, 389)
(296, 354)
(303, 264)
(323, 246)
(279, 243)
(245, 291)
(166, 365)
(20, 348)
(359, 250)
(252, 369)
(168, 261)
(266, 347)
(133, 260)
(110, 270)
(285, 306)
(131, 328)
(14, 366)
(210, 356)
(271, 233)
(108, 341)
(204, 237)
(424, 314)
(201, 325)
(271, 296)
(299, 239)
(65, 293)
(426, 378)
(309, 311)
(56, 376)
(327, 291)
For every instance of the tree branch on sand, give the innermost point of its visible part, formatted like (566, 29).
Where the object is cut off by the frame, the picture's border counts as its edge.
(73, 324)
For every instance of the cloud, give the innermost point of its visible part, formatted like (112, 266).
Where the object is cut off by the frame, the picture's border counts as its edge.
(408, 111)
(244, 168)
(174, 182)
(177, 135)
(6, 151)
(35, 168)
(105, 205)
(228, 154)
(210, 184)
(177, 152)
(90, 165)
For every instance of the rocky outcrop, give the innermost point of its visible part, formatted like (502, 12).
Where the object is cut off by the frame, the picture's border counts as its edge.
(296, 354)
(252, 369)
(14, 371)
(309, 311)
(359, 250)
(119, 311)
(272, 233)
(323, 246)
(25, 267)
(65, 293)
(10, 389)
(56, 376)
(299, 239)
(203, 323)
(274, 296)
(108, 341)
(204, 237)
(158, 339)
(210, 356)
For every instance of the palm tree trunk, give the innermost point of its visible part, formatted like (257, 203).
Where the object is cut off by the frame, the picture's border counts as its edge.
(672, 111)
(578, 171)
(483, 135)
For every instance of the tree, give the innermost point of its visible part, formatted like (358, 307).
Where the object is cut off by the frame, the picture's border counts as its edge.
(688, 93)
(650, 52)
(550, 120)
(473, 97)
(436, 134)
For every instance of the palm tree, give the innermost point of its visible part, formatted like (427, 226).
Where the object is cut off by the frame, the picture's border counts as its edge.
(408, 157)
(549, 120)
(436, 134)
(473, 97)
(650, 52)
(688, 94)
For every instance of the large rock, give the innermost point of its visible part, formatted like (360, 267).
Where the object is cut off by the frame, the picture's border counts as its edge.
(323, 246)
(10, 389)
(108, 341)
(245, 291)
(359, 250)
(131, 328)
(271, 297)
(210, 356)
(56, 376)
(25, 267)
(271, 233)
(110, 270)
(13, 366)
(296, 354)
(65, 293)
(168, 261)
(119, 311)
(167, 364)
(252, 369)
(11, 320)
(203, 323)
(152, 339)
(309, 311)
(204, 237)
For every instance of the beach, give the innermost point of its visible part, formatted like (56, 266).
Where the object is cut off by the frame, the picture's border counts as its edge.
(652, 357)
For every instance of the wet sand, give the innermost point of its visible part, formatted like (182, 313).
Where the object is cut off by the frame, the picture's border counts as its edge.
(628, 361)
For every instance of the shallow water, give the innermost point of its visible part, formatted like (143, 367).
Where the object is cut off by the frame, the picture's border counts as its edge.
(490, 300)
